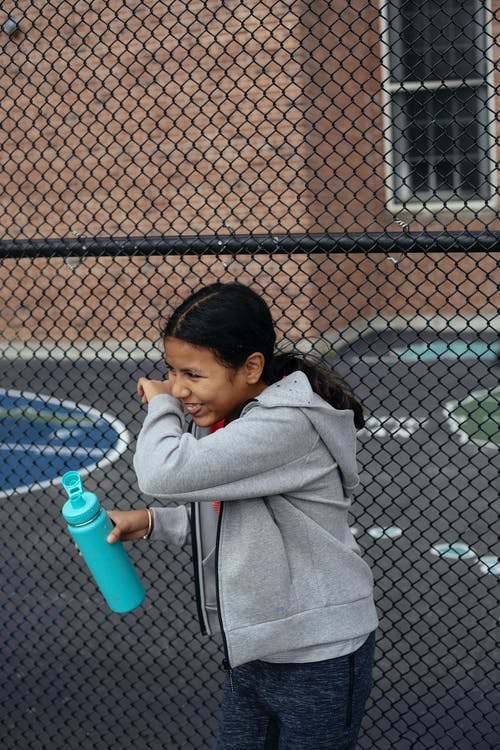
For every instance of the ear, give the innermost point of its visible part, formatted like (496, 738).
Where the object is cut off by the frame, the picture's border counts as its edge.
(254, 367)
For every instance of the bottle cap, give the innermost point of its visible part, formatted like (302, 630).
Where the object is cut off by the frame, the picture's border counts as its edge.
(81, 506)
(72, 483)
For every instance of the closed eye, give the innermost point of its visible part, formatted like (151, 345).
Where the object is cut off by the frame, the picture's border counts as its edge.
(188, 373)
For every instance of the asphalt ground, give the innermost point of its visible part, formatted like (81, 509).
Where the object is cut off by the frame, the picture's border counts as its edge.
(76, 675)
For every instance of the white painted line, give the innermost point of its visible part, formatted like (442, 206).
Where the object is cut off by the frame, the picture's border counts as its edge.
(385, 426)
(107, 351)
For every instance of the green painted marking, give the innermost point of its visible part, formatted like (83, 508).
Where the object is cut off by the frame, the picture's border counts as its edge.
(479, 416)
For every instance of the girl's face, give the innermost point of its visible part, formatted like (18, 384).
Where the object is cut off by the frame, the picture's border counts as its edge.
(208, 390)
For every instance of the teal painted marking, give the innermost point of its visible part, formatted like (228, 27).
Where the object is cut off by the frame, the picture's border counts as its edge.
(389, 532)
(455, 551)
(430, 351)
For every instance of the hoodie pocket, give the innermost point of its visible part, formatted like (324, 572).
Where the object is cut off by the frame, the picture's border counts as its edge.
(255, 575)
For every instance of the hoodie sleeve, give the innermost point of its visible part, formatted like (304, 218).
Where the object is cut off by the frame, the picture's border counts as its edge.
(258, 454)
(171, 525)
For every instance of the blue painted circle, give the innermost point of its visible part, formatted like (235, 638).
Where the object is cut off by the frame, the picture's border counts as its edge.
(41, 438)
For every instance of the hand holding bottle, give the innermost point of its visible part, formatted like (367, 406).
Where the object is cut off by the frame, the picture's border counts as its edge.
(129, 525)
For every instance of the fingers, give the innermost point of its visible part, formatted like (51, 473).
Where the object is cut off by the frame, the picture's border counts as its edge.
(140, 391)
(148, 389)
(114, 536)
(128, 525)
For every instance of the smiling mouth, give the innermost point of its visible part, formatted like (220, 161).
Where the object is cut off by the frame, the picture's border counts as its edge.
(192, 408)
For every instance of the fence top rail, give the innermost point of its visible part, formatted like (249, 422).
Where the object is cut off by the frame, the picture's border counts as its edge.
(234, 244)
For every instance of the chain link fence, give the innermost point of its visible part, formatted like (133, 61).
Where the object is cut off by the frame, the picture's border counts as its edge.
(340, 158)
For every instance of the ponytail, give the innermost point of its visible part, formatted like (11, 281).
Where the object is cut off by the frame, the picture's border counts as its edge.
(324, 381)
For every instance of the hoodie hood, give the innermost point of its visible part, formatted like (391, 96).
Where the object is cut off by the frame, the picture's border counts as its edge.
(334, 426)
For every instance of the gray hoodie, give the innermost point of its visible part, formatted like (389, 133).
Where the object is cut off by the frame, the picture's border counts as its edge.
(289, 576)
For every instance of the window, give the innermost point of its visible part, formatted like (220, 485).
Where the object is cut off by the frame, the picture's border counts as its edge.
(440, 102)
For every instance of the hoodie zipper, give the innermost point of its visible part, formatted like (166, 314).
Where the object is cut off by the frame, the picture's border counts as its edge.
(226, 663)
(195, 546)
(196, 566)
(199, 605)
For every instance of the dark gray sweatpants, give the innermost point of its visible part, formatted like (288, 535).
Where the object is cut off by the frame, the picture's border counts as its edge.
(313, 706)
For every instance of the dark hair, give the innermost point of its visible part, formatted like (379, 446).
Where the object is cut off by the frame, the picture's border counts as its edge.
(233, 321)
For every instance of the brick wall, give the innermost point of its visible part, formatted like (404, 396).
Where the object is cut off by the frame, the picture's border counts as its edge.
(152, 117)
(112, 301)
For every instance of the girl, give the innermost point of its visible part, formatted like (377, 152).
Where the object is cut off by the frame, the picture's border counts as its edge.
(257, 451)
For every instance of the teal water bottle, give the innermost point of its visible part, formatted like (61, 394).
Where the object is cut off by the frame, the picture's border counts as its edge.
(89, 525)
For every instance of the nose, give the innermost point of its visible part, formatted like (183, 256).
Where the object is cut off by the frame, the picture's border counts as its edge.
(179, 388)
